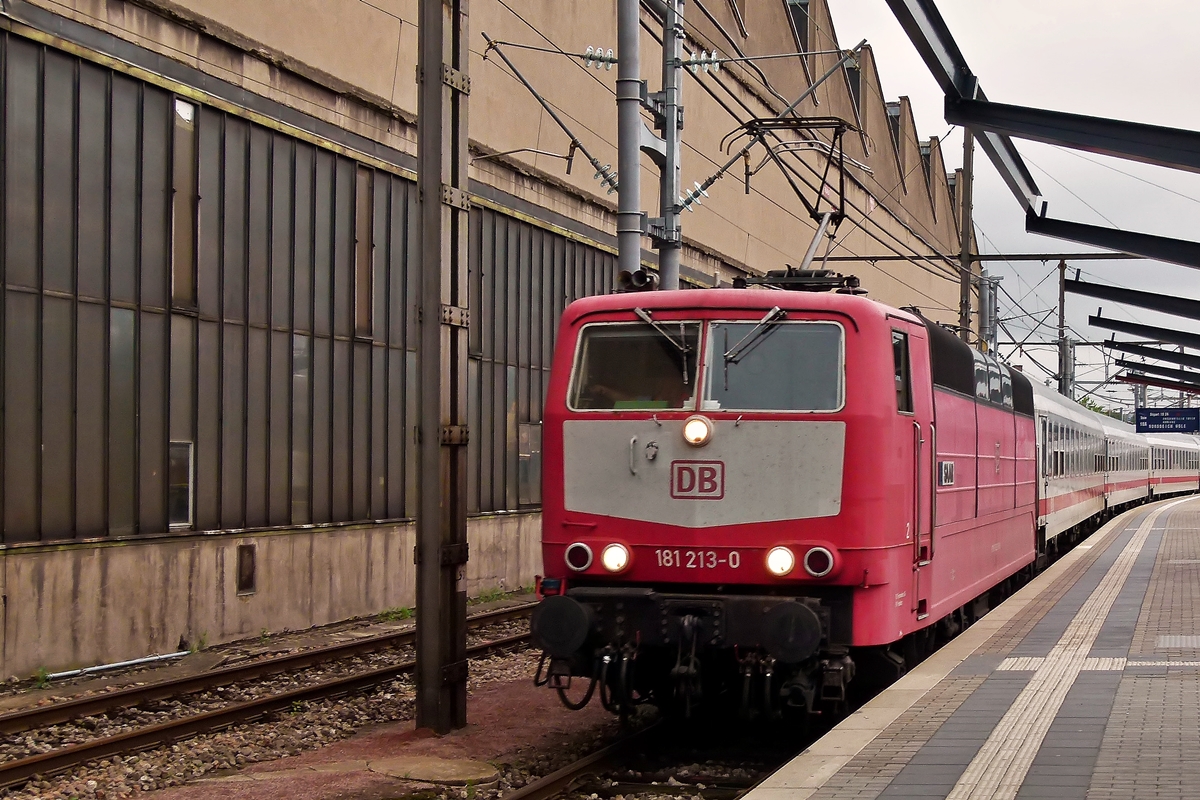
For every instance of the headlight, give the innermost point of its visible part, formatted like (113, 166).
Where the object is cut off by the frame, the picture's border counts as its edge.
(818, 562)
(579, 556)
(615, 557)
(697, 431)
(780, 561)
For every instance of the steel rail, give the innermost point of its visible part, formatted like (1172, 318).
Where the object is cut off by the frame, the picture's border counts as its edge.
(60, 759)
(38, 717)
(547, 787)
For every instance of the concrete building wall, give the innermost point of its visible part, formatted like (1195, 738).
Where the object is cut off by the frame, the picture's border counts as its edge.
(77, 605)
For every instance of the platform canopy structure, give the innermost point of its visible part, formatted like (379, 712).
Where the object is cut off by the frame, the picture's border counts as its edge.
(995, 124)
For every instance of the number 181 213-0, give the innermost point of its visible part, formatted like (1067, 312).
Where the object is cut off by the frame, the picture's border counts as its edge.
(698, 559)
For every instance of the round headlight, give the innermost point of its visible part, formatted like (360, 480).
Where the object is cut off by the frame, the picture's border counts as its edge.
(697, 431)
(579, 556)
(615, 557)
(818, 562)
(780, 561)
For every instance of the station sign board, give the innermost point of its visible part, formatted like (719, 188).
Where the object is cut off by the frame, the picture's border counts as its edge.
(1168, 420)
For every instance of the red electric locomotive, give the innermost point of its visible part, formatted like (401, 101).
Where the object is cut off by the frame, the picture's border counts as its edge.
(756, 493)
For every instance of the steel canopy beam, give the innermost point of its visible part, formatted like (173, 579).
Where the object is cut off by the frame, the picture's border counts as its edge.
(931, 37)
(1158, 248)
(1155, 352)
(1133, 141)
(1147, 331)
(1167, 304)
(1166, 372)
(1190, 388)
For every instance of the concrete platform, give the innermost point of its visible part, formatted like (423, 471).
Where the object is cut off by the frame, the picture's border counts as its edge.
(1085, 684)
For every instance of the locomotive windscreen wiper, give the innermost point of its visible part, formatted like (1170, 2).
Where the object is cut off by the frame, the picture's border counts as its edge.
(681, 346)
(776, 314)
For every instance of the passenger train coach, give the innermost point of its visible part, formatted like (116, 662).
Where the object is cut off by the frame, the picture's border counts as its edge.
(754, 496)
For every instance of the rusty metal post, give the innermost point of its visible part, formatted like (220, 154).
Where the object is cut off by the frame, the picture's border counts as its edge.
(442, 203)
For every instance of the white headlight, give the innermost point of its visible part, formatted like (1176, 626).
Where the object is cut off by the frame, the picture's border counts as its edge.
(697, 431)
(780, 561)
(615, 557)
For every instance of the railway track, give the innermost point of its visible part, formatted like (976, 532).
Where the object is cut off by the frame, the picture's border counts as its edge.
(560, 780)
(20, 770)
(40, 717)
(661, 760)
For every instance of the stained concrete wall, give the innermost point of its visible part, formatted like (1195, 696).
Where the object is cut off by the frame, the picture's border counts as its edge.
(83, 604)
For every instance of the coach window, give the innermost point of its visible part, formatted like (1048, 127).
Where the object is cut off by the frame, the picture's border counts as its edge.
(903, 378)
(1045, 446)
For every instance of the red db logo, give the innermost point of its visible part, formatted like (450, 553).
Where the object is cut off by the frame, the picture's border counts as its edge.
(697, 480)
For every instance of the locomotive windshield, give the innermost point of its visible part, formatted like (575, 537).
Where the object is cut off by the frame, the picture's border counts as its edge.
(636, 366)
(786, 366)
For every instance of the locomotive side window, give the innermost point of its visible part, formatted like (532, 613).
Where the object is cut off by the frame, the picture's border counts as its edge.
(981, 377)
(635, 366)
(780, 366)
(995, 392)
(903, 378)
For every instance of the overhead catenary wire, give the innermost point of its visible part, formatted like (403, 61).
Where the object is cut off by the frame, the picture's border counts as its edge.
(1071, 152)
(947, 267)
(602, 170)
(791, 213)
(914, 256)
(951, 264)
(1068, 189)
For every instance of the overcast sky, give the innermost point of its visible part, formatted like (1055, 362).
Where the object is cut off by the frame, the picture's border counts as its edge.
(1130, 61)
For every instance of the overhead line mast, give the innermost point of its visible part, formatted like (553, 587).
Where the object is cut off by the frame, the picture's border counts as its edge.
(633, 138)
(442, 208)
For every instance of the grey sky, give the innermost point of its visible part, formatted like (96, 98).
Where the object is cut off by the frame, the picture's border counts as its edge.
(1101, 57)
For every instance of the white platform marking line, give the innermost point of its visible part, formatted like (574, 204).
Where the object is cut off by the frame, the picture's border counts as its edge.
(999, 769)
(1021, 663)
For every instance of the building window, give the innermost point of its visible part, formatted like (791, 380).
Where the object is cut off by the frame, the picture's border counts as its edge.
(364, 248)
(183, 206)
(247, 579)
(529, 464)
(181, 484)
(893, 118)
(798, 11)
(854, 79)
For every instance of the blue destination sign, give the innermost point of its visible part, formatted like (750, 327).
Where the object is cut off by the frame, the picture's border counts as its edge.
(1168, 420)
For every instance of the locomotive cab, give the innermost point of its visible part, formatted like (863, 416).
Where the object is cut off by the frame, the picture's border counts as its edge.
(738, 489)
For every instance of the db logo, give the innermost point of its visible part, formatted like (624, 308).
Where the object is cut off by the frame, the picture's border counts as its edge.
(697, 480)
